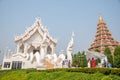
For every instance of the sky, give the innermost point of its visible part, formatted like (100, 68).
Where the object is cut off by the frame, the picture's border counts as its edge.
(61, 18)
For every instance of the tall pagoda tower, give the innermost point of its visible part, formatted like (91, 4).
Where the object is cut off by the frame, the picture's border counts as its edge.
(103, 38)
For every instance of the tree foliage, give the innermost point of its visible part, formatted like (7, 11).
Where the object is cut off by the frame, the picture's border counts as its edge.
(117, 57)
(108, 53)
(117, 51)
(107, 50)
(79, 58)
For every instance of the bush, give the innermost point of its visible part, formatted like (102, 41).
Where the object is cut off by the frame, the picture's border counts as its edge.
(106, 78)
(116, 71)
(105, 71)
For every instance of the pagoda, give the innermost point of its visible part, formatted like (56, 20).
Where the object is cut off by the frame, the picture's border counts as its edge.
(103, 38)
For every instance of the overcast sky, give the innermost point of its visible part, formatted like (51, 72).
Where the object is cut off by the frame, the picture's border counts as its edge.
(61, 18)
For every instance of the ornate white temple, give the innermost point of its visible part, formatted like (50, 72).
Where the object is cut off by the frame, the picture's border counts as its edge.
(35, 49)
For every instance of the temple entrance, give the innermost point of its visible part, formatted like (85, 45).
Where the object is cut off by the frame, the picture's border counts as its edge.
(34, 51)
(49, 50)
(16, 64)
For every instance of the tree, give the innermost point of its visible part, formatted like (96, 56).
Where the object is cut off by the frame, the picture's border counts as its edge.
(98, 61)
(80, 58)
(76, 59)
(117, 61)
(117, 57)
(108, 53)
(107, 50)
(83, 60)
(117, 51)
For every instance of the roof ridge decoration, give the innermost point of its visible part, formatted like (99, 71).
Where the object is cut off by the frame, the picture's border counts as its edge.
(37, 25)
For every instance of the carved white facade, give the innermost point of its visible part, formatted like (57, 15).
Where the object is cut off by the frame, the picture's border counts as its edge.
(34, 47)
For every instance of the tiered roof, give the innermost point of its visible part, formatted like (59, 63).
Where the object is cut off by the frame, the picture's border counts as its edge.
(103, 38)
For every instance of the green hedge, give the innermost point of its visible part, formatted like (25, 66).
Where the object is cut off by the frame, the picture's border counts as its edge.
(105, 71)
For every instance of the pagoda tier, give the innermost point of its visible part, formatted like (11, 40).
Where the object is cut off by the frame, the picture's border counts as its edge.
(103, 38)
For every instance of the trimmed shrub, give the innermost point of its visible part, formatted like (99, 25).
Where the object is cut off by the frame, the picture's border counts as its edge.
(115, 71)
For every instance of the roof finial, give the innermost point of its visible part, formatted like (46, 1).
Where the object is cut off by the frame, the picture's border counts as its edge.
(100, 19)
(38, 21)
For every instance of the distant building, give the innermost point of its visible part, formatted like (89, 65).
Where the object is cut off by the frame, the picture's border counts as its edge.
(103, 38)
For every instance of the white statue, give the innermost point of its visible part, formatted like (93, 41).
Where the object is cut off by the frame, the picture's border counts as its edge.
(54, 58)
(48, 56)
(60, 59)
(69, 48)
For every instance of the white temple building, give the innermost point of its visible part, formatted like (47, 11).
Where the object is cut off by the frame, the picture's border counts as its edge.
(35, 49)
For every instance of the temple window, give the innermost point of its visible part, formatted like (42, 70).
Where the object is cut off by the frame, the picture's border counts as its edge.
(6, 64)
(16, 64)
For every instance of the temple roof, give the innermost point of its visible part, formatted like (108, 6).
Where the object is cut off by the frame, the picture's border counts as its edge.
(37, 26)
(95, 55)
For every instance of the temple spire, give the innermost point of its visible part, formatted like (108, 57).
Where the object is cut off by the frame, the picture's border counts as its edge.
(100, 19)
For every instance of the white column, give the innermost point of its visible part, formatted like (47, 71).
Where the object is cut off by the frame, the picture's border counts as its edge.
(45, 49)
(42, 52)
(25, 48)
(52, 49)
(18, 48)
